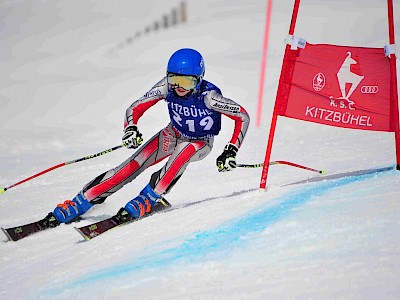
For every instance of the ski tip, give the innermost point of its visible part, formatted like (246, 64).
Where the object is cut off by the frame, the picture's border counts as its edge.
(82, 234)
(323, 172)
(2, 190)
(9, 239)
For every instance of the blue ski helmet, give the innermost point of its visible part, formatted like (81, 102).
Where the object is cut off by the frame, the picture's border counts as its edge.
(187, 62)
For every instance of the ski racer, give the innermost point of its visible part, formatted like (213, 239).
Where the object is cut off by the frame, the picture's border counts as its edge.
(195, 108)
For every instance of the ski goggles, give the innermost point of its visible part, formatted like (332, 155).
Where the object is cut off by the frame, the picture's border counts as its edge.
(187, 82)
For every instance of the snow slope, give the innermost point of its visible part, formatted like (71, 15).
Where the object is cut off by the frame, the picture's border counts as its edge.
(63, 96)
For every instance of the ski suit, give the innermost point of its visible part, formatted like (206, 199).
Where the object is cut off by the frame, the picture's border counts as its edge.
(194, 121)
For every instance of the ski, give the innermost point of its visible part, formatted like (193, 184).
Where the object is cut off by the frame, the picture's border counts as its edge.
(90, 231)
(19, 232)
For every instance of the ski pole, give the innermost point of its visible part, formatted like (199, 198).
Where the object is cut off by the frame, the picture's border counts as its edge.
(2, 190)
(282, 162)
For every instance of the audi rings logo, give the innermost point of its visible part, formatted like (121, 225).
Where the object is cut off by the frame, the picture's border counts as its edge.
(369, 89)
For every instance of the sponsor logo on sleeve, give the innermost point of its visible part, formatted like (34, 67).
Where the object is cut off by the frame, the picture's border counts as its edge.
(152, 93)
(233, 108)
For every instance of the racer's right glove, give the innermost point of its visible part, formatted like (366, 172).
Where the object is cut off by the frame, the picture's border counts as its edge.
(132, 138)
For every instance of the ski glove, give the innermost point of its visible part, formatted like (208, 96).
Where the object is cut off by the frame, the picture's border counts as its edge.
(227, 160)
(132, 138)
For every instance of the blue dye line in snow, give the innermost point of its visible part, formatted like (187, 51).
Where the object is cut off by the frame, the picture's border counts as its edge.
(224, 238)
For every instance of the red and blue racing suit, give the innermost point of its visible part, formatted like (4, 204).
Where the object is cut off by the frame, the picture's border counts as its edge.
(194, 121)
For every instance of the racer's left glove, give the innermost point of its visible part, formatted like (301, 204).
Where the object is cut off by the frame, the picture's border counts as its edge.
(227, 160)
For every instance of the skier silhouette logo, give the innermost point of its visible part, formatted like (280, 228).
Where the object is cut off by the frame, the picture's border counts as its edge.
(346, 76)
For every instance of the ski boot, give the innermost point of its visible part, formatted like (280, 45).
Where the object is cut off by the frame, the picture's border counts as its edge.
(142, 204)
(70, 210)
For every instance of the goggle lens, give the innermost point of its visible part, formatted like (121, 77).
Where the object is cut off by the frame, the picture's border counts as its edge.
(184, 81)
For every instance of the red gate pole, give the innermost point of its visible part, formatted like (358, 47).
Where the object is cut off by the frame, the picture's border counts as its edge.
(264, 174)
(394, 91)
